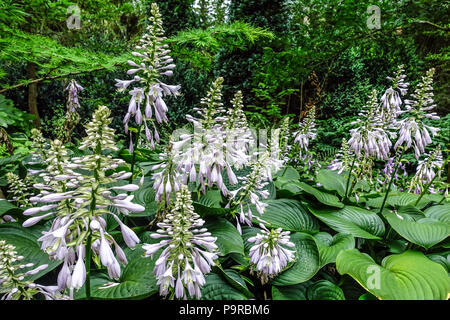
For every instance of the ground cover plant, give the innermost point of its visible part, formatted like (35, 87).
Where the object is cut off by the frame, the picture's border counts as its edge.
(230, 203)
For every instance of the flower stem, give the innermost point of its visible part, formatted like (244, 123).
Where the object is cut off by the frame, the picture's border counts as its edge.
(349, 177)
(425, 190)
(88, 266)
(391, 181)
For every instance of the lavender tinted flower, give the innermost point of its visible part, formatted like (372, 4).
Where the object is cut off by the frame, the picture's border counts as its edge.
(153, 61)
(269, 255)
(80, 200)
(413, 130)
(391, 100)
(189, 250)
(307, 130)
(370, 138)
(427, 170)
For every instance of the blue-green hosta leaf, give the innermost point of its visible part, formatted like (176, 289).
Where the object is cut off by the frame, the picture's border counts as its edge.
(400, 199)
(425, 232)
(322, 197)
(145, 196)
(288, 173)
(325, 290)
(295, 292)
(356, 221)
(209, 204)
(228, 238)
(329, 246)
(443, 258)
(406, 276)
(306, 264)
(137, 280)
(332, 181)
(236, 281)
(440, 213)
(216, 288)
(25, 241)
(288, 214)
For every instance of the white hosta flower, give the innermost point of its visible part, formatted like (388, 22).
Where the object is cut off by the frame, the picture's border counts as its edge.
(80, 202)
(13, 283)
(307, 130)
(189, 249)
(153, 61)
(270, 254)
(251, 192)
(391, 100)
(413, 130)
(342, 160)
(427, 170)
(370, 138)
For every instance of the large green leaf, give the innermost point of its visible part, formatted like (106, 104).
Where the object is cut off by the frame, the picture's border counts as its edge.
(25, 241)
(209, 204)
(234, 279)
(137, 280)
(440, 213)
(295, 292)
(333, 181)
(306, 264)
(290, 215)
(325, 290)
(288, 173)
(400, 199)
(329, 246)
(322, 197)
(145, 196)
(425, 232)
(228, 238)
(216, 288)
(406, 276)
(352, 220)
(7, 207)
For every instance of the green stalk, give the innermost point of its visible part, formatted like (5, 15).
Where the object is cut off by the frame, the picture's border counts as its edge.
(349, 177)
(391, 181)
(88, 266)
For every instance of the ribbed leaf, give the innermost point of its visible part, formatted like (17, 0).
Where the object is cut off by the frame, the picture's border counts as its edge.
(295, 292)
(406, 276)
(325, 290)
(322, 197)
(228, 238)
(352, 220)
(306, 264)
(288, 214)
(216, 288)
(329, 246)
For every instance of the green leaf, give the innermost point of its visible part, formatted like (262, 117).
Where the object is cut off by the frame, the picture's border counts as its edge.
(216, 288)
(440, 213)
(137, 280)
(290, 215)
(306, 264)
(352, 220)
(25, 241)
(322, 197)
(145, 196)
(406, 276)
(331, 180)
(236, 281)
(288, 173)
(329, 246)
(325, 290)
(425, 232)
(228, 238)
(295, 292)
(209, 204)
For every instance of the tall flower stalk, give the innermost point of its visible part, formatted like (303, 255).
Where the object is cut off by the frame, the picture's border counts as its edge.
(80, 201)
(189, 250)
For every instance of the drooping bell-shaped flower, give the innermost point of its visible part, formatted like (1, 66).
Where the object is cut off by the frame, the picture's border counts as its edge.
(270, 253)
(188, 249)
(307, 130)
(152, 61)
(427, 170)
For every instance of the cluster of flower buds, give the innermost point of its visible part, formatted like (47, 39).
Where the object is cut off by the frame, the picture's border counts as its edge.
(189, 249)
(39, 144)
(427, 170)
(13, 283)
(20, 189)
(307, 130)
(285, 146)
(269, 254)
(72, 99)
(391, 100)
(207, 147)
(72, 116)
(412, 129)
(154, 62)
(342, 160)
(370, 137)
(80, 201)
(167, 178)
(252, 188)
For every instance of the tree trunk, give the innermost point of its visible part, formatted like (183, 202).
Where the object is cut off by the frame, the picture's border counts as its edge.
(32, 94)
